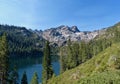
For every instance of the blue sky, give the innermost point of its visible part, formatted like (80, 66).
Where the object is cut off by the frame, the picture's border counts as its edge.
(44, 14)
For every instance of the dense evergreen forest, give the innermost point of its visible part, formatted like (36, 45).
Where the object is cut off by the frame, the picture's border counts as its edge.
(21, 42)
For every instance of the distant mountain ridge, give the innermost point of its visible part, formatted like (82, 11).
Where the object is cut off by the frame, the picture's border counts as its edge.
(27, 40)
(59, 35)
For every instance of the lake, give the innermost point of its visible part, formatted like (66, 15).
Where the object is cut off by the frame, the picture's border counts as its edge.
(31, 65)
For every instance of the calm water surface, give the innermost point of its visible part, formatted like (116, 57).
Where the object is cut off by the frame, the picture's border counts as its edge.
(31, 65)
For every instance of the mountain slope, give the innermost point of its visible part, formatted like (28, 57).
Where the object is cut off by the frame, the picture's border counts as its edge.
(107, 60)
(61, 34)
(21, 41)
(106, 77)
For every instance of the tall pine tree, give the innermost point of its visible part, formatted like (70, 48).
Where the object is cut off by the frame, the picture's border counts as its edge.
(47, 66)
(14, 76)
(72, 54)
(4, 60)
(24, 79)
(34, 79)
(63, 59)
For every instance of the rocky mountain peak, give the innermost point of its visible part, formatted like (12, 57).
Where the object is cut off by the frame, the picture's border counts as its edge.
(75, 29)
(61, 34)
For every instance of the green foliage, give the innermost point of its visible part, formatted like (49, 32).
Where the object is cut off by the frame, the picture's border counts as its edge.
(78, 53)
(22, 42)
(96, 60)
(71, 56)
(47, 71)
(100, 69)
(13, 77)
(4, 59)
(34, 79)
(24, 79)
(83, 51)
(107, 77)
(62, 60)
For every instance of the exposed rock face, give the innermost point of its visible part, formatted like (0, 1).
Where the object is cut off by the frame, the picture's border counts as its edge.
(59, 36)
(75, 29)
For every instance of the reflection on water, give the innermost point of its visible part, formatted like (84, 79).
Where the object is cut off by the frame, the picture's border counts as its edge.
(33, 64)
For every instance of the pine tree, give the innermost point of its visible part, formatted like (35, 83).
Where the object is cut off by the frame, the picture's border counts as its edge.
(73, 52)
(14, 76)
(24, 79)
(70, 55)
(4, 59)
(47, 66)
(62, 60)
(83, 51)
(34, 79)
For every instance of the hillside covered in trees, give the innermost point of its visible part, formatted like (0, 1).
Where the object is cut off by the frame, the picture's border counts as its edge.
(103, 68)
(22, 42)
(91, 62)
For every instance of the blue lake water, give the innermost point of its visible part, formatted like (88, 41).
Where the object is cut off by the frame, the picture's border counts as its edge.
(30, 65)
(36, 68)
